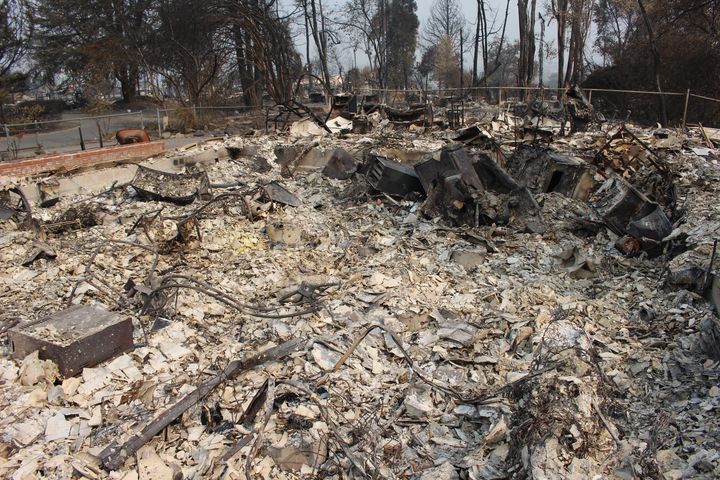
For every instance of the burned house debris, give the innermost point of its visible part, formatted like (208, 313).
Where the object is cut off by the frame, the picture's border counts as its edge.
(153, 184)
(475, 193)
(545, 171)
(380, 301)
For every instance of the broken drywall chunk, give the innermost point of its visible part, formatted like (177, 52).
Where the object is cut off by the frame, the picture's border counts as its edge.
(33, 370)
(300, 452)
(470, 260)
(341, 165)
(324, 357)
(57, 428)
(152, 467)
(446, 471)
(340, 124)
(306, 127)
(284, 233)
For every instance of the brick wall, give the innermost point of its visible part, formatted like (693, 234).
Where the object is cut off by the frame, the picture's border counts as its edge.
(69, 161)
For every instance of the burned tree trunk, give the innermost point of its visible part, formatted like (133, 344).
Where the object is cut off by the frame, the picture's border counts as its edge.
(318, 33)
(526, 20)
(127, 76)
(560, 10)
(246, 68)
(265, 52)
(656, 60)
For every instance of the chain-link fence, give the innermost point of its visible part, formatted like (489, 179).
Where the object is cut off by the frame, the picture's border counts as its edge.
(73, 132)
(76, 131)
(641, 106)
(218, 119)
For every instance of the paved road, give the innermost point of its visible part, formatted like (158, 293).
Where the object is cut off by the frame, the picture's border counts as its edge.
(65, 136)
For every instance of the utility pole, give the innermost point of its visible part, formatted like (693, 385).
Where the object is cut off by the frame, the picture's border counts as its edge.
(462, 64)
(462, 79)
(323, 39)
(307, 49)
(541, 50)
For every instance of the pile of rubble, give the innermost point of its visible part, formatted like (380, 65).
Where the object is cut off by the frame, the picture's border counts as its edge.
(404, 302)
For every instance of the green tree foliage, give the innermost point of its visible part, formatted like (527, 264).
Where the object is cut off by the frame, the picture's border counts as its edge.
(192, 50)
(687, 36)
(401, 41)
(88, 41)
(447, 64)
(15, 32)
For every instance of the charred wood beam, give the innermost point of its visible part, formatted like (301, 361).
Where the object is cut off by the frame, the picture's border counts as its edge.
(114, 456)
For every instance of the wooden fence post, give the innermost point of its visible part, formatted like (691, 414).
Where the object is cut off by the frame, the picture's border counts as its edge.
(687, 101)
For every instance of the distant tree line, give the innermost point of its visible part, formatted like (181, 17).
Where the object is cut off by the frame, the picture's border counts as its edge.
(663, 46)
(205, 51)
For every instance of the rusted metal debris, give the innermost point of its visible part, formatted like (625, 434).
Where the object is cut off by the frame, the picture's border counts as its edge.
(277, 193)
(42, 251)
(13, 202)
(626, 211)
(392, 177)
(412, 115)
(464, 190)
(78, 337)
(127, 136)
(476, 191)
(506, 334)
(543, 171)
(180, 189)
(580, 109)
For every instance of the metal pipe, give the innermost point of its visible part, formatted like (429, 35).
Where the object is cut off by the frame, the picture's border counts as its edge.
(705, 98)
(157, 111)
(100, 136)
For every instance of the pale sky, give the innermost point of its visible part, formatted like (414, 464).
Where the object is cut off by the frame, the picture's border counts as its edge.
(469, 11)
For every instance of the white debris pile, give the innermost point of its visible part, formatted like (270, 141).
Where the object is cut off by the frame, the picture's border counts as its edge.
(419, 350)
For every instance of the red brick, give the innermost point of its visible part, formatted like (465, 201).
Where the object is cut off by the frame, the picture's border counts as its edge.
(98, 156)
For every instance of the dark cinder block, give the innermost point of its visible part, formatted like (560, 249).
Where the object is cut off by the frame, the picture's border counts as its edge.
(431, 171)
(391, 177)
(81, 336)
